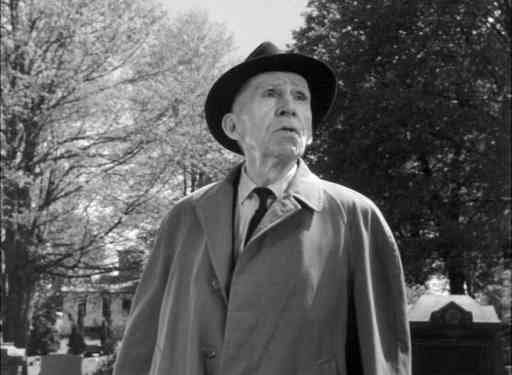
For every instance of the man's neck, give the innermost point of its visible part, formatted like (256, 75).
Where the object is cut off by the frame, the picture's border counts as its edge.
(266, 172)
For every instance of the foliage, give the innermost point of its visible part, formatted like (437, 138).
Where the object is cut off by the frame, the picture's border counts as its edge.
(422, 125)
(173, 102)
(76, 343)
(108, 345)
(43, 335)
(90, 91)
(107, 366)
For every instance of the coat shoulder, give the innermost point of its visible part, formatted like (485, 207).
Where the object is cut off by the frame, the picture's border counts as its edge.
(360, 209)
(185, 206)
(199, 193)
(349, 199)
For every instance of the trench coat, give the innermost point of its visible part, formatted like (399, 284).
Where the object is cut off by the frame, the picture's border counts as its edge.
(321, 264)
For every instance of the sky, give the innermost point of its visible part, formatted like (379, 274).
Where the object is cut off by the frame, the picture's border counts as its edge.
(250, 21)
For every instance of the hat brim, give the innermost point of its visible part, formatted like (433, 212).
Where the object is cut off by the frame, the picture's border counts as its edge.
(319, 76)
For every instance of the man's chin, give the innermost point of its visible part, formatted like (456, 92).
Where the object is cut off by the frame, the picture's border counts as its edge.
(287, 150)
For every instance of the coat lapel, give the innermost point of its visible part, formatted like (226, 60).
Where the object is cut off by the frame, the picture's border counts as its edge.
(216, 207)
(215, 211)
(304, 188)
(280, 210)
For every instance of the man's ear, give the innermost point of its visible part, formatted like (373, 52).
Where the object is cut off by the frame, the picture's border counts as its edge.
(309, 136)
(229, 126)
(309, 140)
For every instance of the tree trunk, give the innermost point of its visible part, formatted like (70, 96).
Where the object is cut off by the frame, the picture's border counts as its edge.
(455, 245)
(18, 291)
(18, 294)
(17, 311)
(456, 277)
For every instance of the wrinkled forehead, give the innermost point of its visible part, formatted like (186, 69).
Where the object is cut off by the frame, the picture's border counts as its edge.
(268, 79)
(276, 78)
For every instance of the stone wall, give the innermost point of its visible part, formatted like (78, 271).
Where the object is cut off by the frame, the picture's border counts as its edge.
(507, 348)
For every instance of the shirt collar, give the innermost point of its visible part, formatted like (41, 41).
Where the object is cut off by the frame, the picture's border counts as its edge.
(246, 185)
(305, 186)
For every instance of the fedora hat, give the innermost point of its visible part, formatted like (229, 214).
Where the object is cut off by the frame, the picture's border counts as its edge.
(268, 58)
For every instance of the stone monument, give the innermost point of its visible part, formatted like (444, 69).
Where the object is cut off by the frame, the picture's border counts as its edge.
(455, 335)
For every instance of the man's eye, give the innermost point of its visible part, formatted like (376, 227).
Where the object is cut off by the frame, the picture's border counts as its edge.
(301, 96)
(270, 93)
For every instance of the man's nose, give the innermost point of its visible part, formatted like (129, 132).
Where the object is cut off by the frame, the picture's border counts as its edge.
(288, 112)
(286, 107)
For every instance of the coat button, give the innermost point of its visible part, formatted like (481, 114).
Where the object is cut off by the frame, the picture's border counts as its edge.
(210, 354)
(215, 285)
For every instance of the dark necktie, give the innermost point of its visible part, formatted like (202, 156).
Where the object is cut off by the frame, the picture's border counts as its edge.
(264, 194)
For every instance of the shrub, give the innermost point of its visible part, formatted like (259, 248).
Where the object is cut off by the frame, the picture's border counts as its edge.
(76, 342)
(107, 366)
(43, 337)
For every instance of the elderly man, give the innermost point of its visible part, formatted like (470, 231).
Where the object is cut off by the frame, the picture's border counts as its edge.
(271, 271)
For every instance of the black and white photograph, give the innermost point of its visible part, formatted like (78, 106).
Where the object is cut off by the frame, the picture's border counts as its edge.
(234, 187)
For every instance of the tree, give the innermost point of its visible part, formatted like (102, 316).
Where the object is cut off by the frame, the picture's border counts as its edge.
(188, 52)
(76, 343)
(173, 102)
(43, 334)
(422, 125)
(57, 57)
(80, 162)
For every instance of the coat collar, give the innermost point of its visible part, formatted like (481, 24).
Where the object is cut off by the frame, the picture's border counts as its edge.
(306, 186)
(246, 185)
(304, 190)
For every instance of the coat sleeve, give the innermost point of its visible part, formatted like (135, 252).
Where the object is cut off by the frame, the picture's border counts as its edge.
(139, 338)
(379, 295)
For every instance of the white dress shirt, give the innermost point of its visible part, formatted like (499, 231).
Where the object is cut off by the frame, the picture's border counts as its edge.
(248, 202)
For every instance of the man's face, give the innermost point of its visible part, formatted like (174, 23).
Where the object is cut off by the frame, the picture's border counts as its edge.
(271, 116)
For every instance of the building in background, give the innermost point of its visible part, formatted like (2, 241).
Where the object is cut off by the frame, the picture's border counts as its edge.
(104, 303)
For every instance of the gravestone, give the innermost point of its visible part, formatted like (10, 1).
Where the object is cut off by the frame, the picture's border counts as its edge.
(61, 364)
(455, 335)
(13, 360)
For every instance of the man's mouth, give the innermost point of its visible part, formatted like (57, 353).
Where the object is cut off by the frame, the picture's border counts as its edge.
(288, 129)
